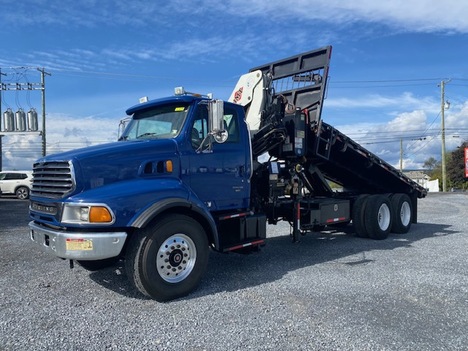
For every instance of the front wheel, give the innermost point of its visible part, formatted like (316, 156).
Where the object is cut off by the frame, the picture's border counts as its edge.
(22, 193)
(167, 259)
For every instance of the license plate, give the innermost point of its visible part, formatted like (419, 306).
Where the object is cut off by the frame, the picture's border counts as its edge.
(79, 245)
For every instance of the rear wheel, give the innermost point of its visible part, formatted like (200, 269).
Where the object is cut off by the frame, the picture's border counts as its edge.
(167, 259)
(402, 213)
(22, 193)
(378, 217)
(359, 208)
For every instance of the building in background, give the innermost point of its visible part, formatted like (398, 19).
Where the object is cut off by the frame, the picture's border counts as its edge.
(424, 180)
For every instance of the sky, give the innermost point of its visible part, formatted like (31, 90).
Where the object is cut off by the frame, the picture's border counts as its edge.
(388, 62)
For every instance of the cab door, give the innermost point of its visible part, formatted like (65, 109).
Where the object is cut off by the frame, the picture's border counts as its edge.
(220, 176)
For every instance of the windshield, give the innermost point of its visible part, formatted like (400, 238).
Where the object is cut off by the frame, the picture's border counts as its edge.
(162, 122)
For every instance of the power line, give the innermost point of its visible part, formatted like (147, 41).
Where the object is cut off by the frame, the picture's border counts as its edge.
(390, 80)
(380, 86)
(185, 77)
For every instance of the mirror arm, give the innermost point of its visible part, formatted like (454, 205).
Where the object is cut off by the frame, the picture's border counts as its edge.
(209, 145)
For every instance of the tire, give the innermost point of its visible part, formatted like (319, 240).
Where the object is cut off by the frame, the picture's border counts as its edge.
(22, 193)
(402, 213)
(98, 264)
(378, 217)
(359, 208)
(167, 259)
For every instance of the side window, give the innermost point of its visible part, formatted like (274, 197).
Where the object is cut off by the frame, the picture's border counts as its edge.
(15, 176)
(231, 125)
(199, 127)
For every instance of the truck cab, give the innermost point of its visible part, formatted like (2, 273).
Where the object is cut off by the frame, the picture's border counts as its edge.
(202, 157)
(185, 155)
(168, 153)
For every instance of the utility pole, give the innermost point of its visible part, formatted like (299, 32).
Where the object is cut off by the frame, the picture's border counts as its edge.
(43, 74)
(1, 136)
(442, 126)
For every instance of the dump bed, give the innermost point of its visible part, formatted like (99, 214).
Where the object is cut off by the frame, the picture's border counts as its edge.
(344, 161)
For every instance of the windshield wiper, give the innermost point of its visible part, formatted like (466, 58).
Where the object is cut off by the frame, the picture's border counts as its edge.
(146, 135)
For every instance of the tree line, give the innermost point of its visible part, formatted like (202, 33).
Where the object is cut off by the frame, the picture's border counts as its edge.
(454, 166)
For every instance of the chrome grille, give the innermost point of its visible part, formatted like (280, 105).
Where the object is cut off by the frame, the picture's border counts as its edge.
(52, 179)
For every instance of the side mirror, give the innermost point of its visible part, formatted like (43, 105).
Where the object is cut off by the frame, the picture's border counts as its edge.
(122, 125)
(216, 121)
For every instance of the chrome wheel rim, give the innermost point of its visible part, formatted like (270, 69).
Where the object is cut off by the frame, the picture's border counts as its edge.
(176, 258)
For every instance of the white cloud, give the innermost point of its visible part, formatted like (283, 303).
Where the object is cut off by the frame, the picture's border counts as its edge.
(216, 29)
(401, 102)
(19, 152)
(407, 122)
(417, 134)
(457, 119)
(63, 133)
(414, 15)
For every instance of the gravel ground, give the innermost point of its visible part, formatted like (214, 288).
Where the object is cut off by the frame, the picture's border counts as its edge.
(331, 291)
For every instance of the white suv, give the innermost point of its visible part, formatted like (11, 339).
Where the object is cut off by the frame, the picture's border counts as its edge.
(16, 182)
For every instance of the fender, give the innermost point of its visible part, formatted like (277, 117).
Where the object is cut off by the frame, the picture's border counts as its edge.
(159, 207)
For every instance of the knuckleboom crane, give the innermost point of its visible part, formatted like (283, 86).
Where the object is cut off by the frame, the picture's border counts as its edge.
(283, 104)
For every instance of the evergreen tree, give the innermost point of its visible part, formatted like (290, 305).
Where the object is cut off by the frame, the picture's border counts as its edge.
(455, 166)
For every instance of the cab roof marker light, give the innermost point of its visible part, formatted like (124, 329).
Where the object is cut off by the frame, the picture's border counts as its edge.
(143, 99)
(179, 91)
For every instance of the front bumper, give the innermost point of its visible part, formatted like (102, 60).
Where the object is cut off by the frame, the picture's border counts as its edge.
(78, 246)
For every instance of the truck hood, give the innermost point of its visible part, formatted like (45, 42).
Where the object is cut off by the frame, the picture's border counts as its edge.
(104, 164)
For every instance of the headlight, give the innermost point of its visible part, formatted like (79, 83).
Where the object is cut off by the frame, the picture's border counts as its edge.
(87, 214)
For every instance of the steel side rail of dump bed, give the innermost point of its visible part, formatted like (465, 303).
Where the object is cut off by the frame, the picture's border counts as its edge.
(347, 163)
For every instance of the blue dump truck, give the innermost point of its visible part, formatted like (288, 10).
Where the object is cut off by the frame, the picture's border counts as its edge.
(190, 174)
